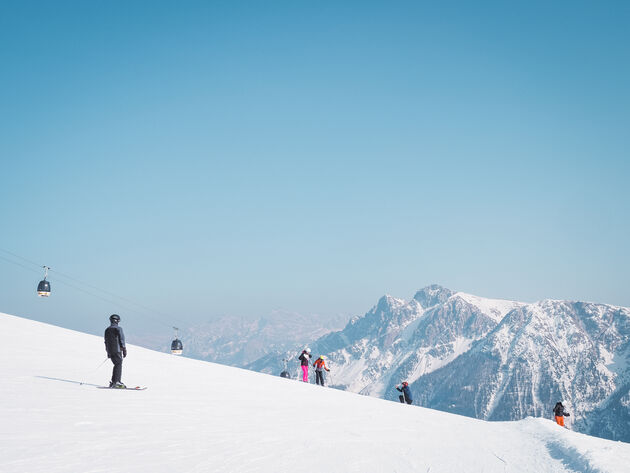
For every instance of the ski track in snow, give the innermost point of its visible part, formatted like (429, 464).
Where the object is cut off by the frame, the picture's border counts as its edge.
(202, 417)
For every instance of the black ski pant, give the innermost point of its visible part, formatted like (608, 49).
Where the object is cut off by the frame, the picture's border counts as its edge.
(319, 377)
(117, 359)
(402, 399)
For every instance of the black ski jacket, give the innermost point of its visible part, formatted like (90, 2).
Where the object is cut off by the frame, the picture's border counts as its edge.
(114, 339)
(304, 358)
(558, 410)
(406, 392)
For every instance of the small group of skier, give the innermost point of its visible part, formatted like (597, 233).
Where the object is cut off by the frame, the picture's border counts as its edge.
(404, 390)
(319, 364)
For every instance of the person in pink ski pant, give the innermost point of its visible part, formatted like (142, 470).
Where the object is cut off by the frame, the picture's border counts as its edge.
(304, 357)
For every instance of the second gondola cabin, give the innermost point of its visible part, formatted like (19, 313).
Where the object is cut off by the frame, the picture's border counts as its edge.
(176, 347)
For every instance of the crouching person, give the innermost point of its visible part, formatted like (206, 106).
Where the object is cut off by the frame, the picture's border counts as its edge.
(406, 393)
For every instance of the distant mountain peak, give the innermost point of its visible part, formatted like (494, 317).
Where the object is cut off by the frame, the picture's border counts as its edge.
(388, 303)
(433, 295)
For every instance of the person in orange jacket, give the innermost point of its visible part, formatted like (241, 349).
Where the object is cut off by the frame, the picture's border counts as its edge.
(320, 366)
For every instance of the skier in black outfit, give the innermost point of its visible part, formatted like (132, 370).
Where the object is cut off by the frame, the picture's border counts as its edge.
(406, 393)
(559, 413)
(116, 349)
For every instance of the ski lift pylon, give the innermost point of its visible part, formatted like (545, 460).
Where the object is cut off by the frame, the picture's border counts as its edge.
(177, 347)
(285, 373)
(43, 288)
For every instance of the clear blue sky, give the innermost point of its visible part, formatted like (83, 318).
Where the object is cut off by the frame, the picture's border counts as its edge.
(209, 158)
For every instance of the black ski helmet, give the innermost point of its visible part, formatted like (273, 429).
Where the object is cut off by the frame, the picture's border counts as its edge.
(114, 318)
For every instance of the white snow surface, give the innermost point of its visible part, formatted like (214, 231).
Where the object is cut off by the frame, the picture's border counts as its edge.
(197, 416)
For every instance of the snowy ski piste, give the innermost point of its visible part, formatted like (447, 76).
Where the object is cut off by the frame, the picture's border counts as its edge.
(197, 416)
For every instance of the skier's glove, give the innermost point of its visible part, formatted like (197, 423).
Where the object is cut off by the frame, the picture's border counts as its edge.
(124, 353)
(567, 414)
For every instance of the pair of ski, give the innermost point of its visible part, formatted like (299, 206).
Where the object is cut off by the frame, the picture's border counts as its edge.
(136, 388)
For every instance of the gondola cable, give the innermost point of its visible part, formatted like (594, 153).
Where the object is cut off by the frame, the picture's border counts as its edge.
(100, 290)
(44, 285)
(98, 296)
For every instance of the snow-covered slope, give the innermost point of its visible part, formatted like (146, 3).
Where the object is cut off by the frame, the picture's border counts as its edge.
(202, 417)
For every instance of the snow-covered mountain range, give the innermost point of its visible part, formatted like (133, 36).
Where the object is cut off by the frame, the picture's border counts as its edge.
(486, 358)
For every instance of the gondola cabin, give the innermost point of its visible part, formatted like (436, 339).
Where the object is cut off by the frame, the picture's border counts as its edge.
(43, 288)
(176, 347)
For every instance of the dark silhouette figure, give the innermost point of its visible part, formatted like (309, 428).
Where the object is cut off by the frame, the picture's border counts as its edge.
(116, 349)
(406, 393)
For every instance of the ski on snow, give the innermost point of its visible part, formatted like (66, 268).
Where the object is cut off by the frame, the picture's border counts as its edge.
(135, 388)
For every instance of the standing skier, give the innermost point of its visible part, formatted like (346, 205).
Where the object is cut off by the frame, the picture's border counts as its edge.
(304, 357)
(116, 349)
(320, 366)
(558, 411)
(406, 393)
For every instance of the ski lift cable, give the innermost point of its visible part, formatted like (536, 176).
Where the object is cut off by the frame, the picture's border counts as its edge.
(59, 273)
(176, 345)
(21, 257)
(20, 265)
(126, 303)
(148, 309)
(124, 306)
(109, 301)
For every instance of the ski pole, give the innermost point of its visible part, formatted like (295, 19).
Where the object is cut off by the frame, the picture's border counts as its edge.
(102, 363)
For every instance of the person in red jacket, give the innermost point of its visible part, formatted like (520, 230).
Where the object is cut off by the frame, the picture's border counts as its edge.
(320, 366)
